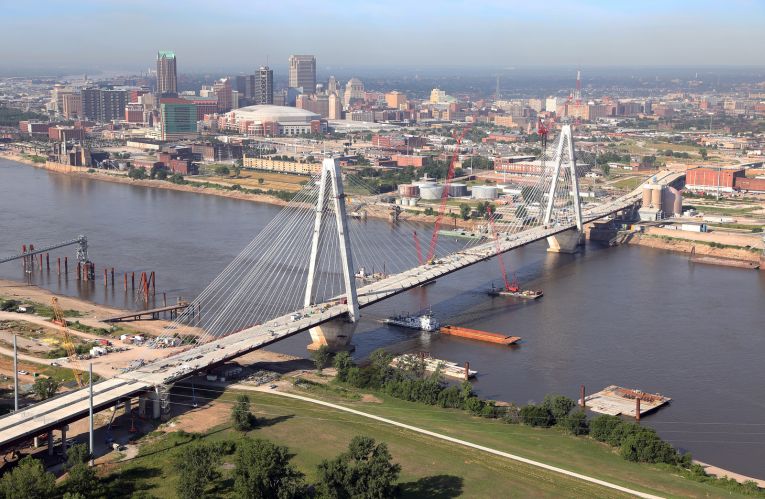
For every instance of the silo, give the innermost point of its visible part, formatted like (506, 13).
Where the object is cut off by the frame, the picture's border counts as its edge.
(656, 196)
(672, 201)
(458, 190)
(646, 196)
(431, 191)
(485, 192)
(408, 190)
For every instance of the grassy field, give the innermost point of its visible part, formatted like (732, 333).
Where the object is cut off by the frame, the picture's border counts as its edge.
(274, 181)
(629, 183)
(430, 467)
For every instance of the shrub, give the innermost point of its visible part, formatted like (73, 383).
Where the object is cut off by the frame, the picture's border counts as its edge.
(646, 446)
(343, 363)
(621, 432)
(558, 405)
(536, 415)
(602, 426)
(474, 405)
(575, 423)
(241, 417)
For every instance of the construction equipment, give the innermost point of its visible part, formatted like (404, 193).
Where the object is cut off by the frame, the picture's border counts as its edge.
(58, 318)
(493, 229)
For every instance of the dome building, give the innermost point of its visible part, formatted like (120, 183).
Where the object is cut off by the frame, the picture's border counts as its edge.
(268, 120)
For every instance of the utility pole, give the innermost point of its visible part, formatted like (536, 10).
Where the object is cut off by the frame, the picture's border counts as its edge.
(15, 376)
(90, 416)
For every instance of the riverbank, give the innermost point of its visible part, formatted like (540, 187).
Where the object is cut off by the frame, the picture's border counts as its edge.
(676, 242)
(202, 187)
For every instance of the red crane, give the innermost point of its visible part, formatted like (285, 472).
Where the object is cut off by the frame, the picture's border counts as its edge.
(445, 193)
(542, 131)
(417, 246)
(508, 287)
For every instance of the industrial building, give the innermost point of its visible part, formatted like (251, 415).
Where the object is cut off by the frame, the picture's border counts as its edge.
(659, 202)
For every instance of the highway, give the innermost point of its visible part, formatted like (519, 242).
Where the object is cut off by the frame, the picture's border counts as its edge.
(54, 413)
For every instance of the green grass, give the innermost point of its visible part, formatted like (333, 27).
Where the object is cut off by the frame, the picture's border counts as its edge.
(629, 183)
(314, 433)
(723, 211)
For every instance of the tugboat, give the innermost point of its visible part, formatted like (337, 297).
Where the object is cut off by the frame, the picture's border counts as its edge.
(426, 322)
(514, 290)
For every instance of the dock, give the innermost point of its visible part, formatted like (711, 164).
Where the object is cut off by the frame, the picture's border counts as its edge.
(616, 400)
(445, 367)
(152, 313)
(475, 334)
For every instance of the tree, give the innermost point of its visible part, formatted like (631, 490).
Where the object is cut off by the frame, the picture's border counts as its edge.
(645, 446)
(343, 363)
(260, 181)
(28, 480)
(536, 415)
(237, 171)
(222, 170)
(704, 153)
(602, 426)
(45, 388)
(321, 357)
(263, 470)
(367, 470)
(196, 464)
(575, 423)
(162, 174)
(77, 454)
(241, 417)
(558, 405)
(82, 480)
(465, 210)
(136, 173)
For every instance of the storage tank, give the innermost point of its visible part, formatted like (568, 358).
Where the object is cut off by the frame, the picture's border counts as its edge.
(672, 201)
(424, 183)
(409, 190)
(646, 196)
(431, 191)
(458, 190)
(656, 196)
(485, 192)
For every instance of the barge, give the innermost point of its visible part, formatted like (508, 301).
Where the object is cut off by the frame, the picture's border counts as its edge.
(445, 367)
(475, 334)
(616, 400)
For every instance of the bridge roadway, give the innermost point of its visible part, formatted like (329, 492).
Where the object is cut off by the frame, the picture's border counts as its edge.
(61, 410)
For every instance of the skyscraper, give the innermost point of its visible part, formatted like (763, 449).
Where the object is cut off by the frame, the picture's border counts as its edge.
(222, 89)
(167, 76)
(103, 105)
(264, 86)
(303, 72)
(178, 118)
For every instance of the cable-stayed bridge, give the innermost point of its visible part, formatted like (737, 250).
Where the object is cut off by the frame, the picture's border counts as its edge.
(300, 274)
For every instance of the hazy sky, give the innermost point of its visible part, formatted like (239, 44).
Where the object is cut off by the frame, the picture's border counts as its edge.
(230, 34)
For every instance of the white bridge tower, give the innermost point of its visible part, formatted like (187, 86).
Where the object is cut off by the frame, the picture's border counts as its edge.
(336, 334)
(565, 159)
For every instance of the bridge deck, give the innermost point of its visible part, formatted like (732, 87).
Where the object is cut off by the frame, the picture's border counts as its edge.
(57, 412)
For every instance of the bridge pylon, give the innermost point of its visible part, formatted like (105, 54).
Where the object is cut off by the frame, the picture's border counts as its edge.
(565, 159)
(335, 334)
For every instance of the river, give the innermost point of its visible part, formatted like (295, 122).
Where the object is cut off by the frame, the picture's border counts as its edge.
(630, 316)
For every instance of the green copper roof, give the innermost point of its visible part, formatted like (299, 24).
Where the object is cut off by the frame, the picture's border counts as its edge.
(166, 53)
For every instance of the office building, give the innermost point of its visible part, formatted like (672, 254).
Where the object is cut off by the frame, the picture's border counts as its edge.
(222, 90)
(303, 72)
(103, 105)
(72, 106)
(354, 91)
(167, 75)
(395, 99)
(178, 118)
(264, 86)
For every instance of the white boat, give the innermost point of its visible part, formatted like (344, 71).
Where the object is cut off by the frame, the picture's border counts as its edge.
(425, 322)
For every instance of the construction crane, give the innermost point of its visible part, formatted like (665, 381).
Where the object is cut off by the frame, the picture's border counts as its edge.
(542, 132)
(445, 193)
(492, 228)
(58, 318)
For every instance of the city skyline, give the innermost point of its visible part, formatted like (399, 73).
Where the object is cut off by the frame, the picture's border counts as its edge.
(589, 33)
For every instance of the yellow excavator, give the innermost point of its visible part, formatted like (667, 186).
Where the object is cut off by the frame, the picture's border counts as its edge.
(58, 318)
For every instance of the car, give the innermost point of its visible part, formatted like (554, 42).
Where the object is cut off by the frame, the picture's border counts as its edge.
(23, 372)
(273, 387)
(55, 364)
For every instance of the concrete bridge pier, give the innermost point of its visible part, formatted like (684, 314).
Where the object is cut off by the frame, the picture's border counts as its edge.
(335, 334)
(565, 242)
(50, 442)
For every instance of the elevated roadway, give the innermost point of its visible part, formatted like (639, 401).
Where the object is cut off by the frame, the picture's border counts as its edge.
(59, 411)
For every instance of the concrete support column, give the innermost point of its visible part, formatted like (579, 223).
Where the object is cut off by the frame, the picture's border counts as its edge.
(565, 242)
(50, 442)
(156, 406)
(127, 407)
(335, 334)
(142, 405)
(36, 442)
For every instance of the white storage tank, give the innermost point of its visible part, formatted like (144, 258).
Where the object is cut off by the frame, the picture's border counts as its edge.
(431, 191)
(458, 190)
(485, 192)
